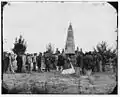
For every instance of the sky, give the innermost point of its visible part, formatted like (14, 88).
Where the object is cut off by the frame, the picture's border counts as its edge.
(43, 23)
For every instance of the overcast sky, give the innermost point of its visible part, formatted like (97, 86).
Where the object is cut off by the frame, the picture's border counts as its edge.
(41, 23)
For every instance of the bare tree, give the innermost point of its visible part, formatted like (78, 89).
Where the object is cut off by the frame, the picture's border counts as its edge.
(50, 48)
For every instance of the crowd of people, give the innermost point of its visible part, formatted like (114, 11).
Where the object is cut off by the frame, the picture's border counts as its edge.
(31, 62)
(45, 62)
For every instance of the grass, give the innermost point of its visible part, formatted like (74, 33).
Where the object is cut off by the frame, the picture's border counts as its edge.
(54, 82)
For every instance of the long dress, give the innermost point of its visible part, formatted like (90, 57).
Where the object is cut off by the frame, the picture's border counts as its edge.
(69, 71)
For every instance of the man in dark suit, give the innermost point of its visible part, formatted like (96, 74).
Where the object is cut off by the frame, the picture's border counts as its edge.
(5, 63)
(19, 63)
(39, 61)
(61, 62)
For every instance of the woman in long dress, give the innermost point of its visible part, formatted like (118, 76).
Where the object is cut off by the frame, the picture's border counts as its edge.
(43, 64)
(70, 70)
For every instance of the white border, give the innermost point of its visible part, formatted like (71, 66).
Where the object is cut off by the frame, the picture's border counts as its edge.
(49, 95)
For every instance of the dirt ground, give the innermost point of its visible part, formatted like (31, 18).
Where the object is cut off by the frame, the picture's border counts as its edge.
(55, 83)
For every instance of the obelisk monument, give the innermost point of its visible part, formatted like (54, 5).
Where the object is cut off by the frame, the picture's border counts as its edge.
(69, 52)
(70, 45)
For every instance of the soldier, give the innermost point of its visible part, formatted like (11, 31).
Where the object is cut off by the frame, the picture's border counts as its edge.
(47, 63)
(39, 61)
(43, 63)
(10, 67)
(29, 62)
(60, 62)
(80, 63)
(19, 63)
(57, 51)
(5, 63)
(56, 62)
(34, 61)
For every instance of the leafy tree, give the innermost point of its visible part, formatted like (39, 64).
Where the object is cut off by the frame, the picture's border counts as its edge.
(104, 52)
(19, 46)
